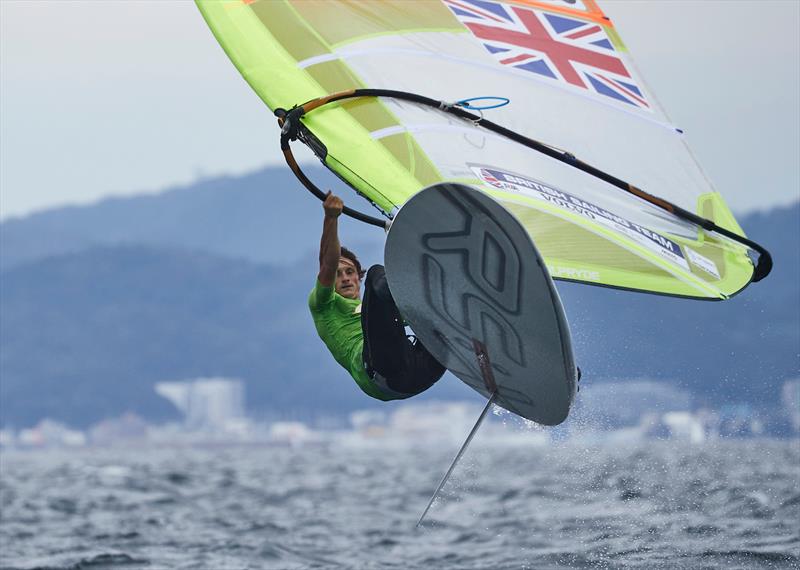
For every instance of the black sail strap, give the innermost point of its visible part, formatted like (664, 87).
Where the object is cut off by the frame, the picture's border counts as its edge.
(292, 129)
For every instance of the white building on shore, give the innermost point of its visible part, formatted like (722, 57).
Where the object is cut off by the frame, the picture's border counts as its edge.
(206, 403)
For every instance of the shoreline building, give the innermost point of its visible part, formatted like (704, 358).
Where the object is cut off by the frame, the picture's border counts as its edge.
(206, 403)
(626, 403)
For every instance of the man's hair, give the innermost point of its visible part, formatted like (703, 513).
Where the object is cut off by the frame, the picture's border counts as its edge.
(347, 254)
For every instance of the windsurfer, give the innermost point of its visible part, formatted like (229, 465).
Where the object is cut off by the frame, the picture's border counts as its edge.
(367, 337)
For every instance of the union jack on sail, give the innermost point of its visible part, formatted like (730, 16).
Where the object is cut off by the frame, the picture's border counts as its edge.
(560, 47)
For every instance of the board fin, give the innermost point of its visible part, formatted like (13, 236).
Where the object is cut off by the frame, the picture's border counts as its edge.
(488, 378)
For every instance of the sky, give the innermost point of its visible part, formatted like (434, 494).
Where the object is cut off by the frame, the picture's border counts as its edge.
(101, 99)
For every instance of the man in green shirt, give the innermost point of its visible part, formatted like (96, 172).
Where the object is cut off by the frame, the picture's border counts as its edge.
(367, 338)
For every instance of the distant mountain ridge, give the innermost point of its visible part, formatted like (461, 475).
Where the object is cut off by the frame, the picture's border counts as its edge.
(96, 330)
(265, 216)
(213, 280)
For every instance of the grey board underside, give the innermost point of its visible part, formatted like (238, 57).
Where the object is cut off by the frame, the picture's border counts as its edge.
(462, 268)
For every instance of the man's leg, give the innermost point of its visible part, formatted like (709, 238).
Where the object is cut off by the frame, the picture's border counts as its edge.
(407, 366)
(384, 334)
(420, 371)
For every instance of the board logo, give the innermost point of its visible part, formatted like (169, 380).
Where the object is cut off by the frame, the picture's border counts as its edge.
(493, 268)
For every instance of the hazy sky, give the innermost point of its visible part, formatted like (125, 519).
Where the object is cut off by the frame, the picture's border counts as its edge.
(123, 97)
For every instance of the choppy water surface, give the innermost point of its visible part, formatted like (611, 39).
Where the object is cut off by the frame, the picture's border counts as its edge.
(660, 505)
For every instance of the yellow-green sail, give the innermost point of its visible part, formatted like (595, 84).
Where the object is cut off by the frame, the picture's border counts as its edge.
(571, 84)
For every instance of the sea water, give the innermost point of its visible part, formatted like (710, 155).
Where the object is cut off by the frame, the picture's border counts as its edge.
(659, 504)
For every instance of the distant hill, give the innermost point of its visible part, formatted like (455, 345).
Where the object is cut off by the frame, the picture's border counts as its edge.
(266, 217)
(87, 335)
(100, 302)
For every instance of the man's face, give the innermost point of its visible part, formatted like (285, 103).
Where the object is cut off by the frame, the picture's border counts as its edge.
(348, 283)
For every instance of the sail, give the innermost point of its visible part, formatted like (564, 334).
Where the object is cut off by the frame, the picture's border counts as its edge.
(571, 84)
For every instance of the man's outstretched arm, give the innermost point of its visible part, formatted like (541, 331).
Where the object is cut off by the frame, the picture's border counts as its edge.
(329, 248)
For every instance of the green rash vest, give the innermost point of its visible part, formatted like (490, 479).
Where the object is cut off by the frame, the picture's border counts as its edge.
(338, 323)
